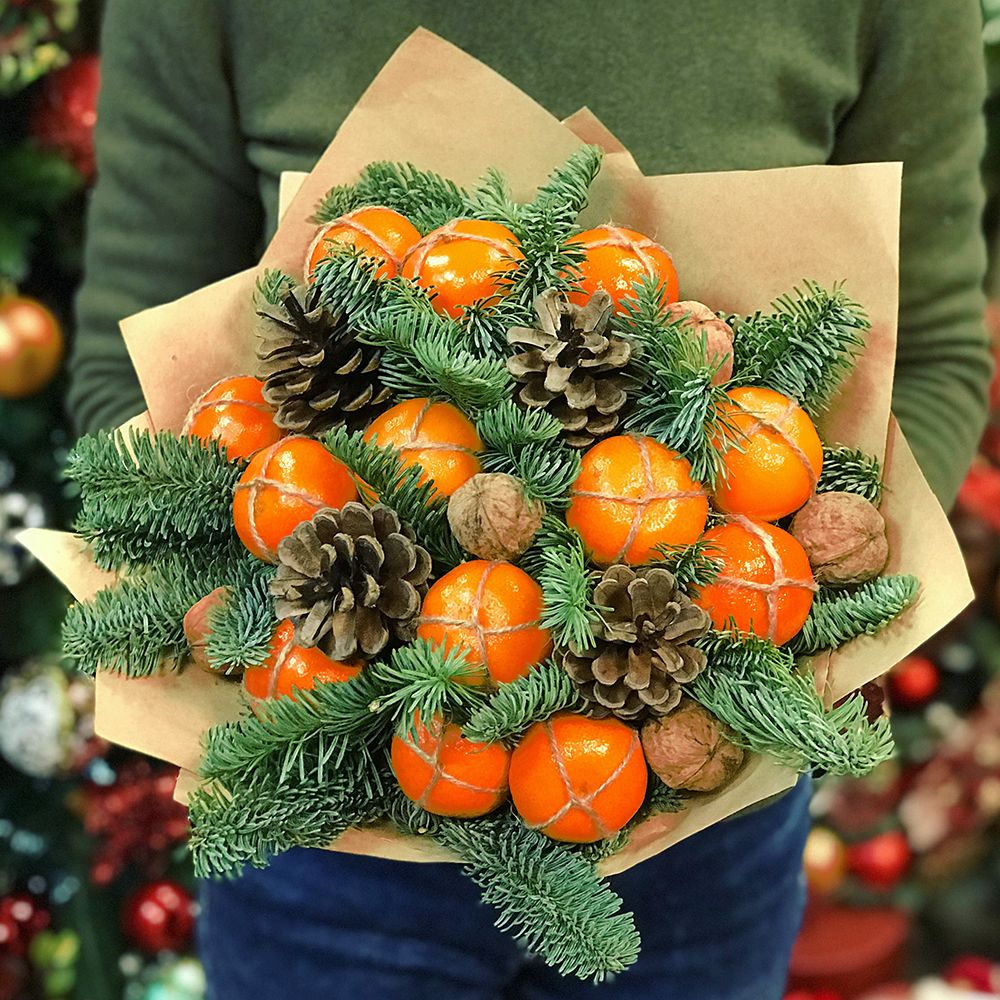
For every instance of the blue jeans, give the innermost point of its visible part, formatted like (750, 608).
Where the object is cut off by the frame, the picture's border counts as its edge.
(717, 913)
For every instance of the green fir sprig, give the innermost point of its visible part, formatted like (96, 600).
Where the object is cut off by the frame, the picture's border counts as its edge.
(804, 348)
(750, 684)
(693, 566)
(145, 497)
(272, 286)
(242, 625)
(849, 470)
(838, 616)
(535, 697)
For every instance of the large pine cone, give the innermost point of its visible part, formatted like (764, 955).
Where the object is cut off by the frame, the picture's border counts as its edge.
(642, 650)
(570, 365)
(315, 373)
(351, 580)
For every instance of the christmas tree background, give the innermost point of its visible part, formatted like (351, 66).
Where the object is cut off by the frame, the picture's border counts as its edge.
(95, 887)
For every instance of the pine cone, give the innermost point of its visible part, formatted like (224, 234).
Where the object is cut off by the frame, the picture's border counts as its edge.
(571, 366)
(642, 651)
(351, 580)
(315, 373)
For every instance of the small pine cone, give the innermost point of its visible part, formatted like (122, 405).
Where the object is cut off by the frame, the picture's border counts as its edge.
(642, 650)
(351, 580)
(316, 374)
(571, 366)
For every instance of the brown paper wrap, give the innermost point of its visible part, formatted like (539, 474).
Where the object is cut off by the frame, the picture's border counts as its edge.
(738, 238)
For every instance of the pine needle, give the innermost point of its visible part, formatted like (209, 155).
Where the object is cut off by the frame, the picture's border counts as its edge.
(241, 626)
(272, 286)
(848, 470)
(837, 616)
(693, 566)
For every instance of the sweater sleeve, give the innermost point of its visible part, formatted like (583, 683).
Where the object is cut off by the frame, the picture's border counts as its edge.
(175, 206)
(921, 102)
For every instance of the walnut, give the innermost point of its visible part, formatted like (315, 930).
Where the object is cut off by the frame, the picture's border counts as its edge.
(196, 629)
(491, 516)
(844, 536)
(690, 748)
(718, 334)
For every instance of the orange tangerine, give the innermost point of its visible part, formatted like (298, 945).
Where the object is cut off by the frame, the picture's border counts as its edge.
(773, 469)
(448, 775)
(378, 232)
(283, 486)
(578, 779)
(492, 609)
(290, 667)
(616, 258)
(462, 262)
(632, 495)
(234, 413)
(438, 437)
(765, 586)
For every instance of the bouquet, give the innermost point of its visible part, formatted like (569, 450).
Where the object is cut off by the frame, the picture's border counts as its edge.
(498, 517)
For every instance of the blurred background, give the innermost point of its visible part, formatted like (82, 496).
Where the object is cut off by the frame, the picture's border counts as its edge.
(96, 894)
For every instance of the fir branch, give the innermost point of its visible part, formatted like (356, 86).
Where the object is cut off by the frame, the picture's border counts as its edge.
(804, 348)
(272, 286)
(379, 470)
(750, 685)
(539, 694)
(423, 680)
(566, 191)
(240, 628)
(693, 566)
(427, 199)
(492, 201)
(848, 470)
(548, 896)
(838, 616)
(174, 494)
(524, 443)
(137, 625)
(347, 281)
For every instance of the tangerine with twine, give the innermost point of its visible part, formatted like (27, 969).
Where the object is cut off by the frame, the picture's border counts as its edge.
(438, 437)
(283, 486)
(463, 262)
(765, 585)
(493, 611)
(377, 232)
(632, 495)
(234, 413)
(773, 465)
(578, 779)
(441, 771)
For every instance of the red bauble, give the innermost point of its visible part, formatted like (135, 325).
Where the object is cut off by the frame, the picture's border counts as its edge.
(913, 682)
(63, 119)
(970, 972)
(810, 995)
(159, 917)
(22, 916)
(881, 861)
(31, 346)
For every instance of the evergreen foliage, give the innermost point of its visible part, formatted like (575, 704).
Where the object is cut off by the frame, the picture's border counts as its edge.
(535, 697)
(750, 685)
(804, 348)
(837, 616)
(273, 285)
(546, 894)
(379, 470)
(849, 470)
(693, 565)
(170, 494)
(241, 626)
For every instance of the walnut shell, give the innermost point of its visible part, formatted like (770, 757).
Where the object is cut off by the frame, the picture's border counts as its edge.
(718, 334)
(196, 629)
(844, 536)
(690, 748)
(491, 517)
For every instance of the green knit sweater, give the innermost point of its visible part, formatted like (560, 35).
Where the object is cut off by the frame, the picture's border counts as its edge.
(205, 102)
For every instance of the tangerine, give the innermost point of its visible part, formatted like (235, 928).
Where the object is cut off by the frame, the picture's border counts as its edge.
(616, 258)
(578, 779)
(290, 667)
(378, 232)
(633, 494)
(438, 437)
(448, 775)
(492, 609)
(772, 468)
(283, 486)
(463, 262)
(765, 586)
(234, 413)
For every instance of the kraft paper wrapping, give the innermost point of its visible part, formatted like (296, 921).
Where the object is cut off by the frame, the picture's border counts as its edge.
(738, 238)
